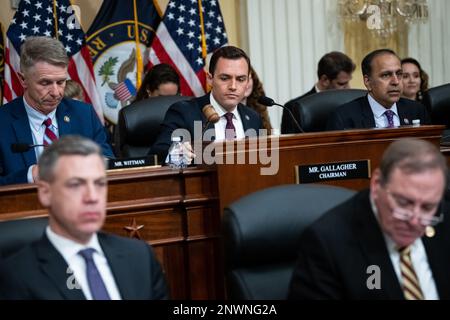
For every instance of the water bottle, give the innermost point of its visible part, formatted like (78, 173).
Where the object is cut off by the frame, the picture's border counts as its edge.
(176, 154)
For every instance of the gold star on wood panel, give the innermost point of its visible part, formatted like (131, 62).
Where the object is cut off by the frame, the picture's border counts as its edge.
(133, 230)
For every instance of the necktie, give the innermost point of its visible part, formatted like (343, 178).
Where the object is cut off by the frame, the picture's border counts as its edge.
(230, 130)
(49, 134)
(96, 284)
(390, 118)
(411, 287)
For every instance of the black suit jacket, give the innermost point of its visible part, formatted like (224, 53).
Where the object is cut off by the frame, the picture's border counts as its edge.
(184, 114)
(357, 114)
(39, 271)
(336, 251)
(287, 124)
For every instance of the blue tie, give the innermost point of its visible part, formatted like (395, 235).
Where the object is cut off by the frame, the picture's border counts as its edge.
(96, 284)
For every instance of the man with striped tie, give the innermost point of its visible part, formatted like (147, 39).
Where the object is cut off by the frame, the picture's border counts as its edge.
(389, 242)
(42, 114)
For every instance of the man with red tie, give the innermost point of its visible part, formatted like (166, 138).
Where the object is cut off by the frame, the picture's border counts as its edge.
(229, 72)
(42, 114)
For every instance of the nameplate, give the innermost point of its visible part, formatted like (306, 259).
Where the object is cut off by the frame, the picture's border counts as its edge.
(359, 169)
(126, 163)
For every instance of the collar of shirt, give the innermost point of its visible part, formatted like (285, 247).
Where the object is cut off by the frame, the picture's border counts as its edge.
(69, 248)
(36, 118)
(221, 124)
(378, 111)
(317, 88)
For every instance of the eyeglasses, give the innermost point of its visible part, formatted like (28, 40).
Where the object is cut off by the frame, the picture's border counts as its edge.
(404, 210)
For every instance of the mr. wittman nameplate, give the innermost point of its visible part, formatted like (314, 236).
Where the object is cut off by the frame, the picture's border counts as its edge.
(359, 169)
(132, 162)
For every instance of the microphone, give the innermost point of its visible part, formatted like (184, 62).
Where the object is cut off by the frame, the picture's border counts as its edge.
(211, 116)
(23, 147)
(269, 102)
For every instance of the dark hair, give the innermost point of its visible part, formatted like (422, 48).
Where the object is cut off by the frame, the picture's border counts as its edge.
(65, 146)
(156, 76)
(411, 156)
(252, 100)
(333, 63)
(366, 64)
(227, 52)
(423, 76)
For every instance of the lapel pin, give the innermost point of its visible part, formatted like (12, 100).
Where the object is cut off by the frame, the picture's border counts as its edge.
(430, 232)
(247, 117)
(406, 121)
(66, 119)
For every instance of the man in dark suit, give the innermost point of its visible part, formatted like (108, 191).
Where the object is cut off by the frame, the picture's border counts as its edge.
(73, 259)
(389, 242)
(43, 66)
(334, 71)
(382, 107)
(229, 71)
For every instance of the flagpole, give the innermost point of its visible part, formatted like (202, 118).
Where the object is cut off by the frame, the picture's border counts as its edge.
(139, 66)
(55, 17)
(202, 29)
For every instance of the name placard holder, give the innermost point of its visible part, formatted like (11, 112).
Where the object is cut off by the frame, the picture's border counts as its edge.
(313, 173)
(126, 163)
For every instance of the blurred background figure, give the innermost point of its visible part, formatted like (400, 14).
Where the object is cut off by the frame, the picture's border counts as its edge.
(161, 80)
(73, 90)
(415, 79)
(253, 92)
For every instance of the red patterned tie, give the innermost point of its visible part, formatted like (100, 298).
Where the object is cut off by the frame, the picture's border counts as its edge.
(49, 135)
(230, 130)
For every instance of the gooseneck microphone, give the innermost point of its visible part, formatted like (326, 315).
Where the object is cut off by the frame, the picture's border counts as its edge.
(23, 147)
(268, 102)
(211, 116)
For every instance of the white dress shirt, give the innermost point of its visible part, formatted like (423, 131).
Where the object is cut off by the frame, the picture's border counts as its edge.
(37, 126)
(222, 123)
(378, 112)
(69, 250)
(419, 260)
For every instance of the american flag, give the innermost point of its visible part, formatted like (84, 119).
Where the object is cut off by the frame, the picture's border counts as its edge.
(185, 36)
(49, 18)
(125, 90)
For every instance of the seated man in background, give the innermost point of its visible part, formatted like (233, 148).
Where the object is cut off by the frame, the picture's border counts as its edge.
(73, 90)
(229, 72)
(42, 115)
(383, 107)
(160, 80)
(334, 71)
(389, 242)
(73, 259)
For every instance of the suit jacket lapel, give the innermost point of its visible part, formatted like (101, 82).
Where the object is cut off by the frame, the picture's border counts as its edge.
(63, 117)
(22, 130)
(439, 260)
(368, 119)
(55, 267)
(403, 114)
(374, 247)
(118, 263)
(245, 117)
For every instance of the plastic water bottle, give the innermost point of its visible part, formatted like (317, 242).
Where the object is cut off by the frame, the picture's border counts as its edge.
(176, 154)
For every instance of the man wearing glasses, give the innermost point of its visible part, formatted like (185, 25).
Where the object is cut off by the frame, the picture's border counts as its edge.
(389, 242)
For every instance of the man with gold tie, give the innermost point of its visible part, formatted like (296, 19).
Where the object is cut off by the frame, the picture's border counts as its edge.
(389, 242)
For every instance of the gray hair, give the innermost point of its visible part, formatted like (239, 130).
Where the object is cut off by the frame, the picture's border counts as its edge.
(42, 49)
(411, 156)
(65, 146)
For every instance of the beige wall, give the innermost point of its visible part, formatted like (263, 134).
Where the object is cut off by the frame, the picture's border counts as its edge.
(89, 9)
